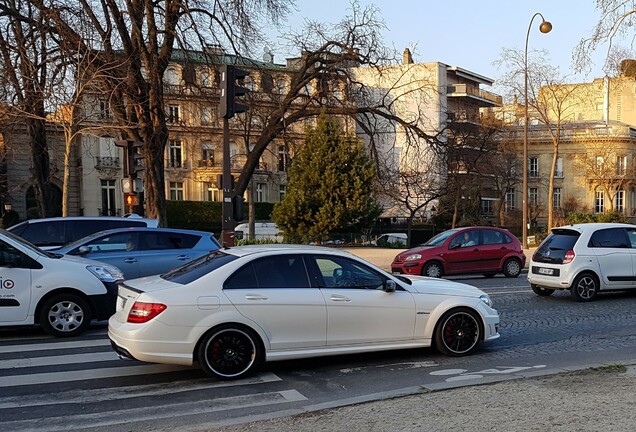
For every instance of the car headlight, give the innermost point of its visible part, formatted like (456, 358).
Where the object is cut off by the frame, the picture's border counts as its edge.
(413, 257)
(486, 299)
(106, 273)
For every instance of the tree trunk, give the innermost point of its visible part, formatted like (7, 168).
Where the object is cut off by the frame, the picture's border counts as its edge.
(40, 167)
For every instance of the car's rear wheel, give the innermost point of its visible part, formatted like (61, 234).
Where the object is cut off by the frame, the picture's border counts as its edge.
(65, 315)
(433, 269)
(230, 352)
(458, 332)
(544, 292)
(585, 287)
(512, 267)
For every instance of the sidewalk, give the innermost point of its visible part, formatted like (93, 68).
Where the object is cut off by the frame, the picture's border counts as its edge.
(599, 399)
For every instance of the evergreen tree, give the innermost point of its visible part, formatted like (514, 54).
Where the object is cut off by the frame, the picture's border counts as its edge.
(330, 186)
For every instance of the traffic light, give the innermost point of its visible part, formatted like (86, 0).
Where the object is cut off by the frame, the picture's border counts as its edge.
(131, 199)
(219, 182)
(238, 211)
(133, 159)
(230, 91)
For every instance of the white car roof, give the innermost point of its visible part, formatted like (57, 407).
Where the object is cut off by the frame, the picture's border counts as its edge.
(280, 248)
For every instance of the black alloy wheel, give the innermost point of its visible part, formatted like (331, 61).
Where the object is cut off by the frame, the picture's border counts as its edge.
(230, 353)
(458, 332)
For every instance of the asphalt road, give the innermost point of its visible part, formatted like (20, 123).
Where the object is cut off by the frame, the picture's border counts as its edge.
(49, 384)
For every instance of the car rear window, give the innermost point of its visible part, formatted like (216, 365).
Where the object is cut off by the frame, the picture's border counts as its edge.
(556, 245)
(199, 267)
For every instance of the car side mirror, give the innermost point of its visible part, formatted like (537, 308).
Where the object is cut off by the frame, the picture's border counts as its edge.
(454, 246)
(390, 285)
(83, 250)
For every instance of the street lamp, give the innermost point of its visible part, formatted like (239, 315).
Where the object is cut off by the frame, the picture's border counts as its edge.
(544, 27)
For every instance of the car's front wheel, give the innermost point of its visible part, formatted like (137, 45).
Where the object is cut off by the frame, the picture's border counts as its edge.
(230, 352)
(512, 267)
(433, 269)
(458, 332)
(65, 315)
(544, 292)
(585, 287)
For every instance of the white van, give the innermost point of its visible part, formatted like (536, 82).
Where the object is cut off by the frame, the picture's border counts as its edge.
(262, 231)
(62, 293)
(391, 239)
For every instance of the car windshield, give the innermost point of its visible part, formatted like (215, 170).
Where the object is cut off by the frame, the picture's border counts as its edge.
(199, 267)
(440, 238)
(28, 245)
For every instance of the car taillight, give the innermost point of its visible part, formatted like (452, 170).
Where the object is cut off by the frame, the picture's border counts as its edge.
(569, 256)
(144, 312)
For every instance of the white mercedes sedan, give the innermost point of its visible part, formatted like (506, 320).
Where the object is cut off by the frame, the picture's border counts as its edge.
(236, 308)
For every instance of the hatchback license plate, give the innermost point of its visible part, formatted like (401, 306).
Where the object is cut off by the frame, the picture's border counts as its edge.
(546, 271)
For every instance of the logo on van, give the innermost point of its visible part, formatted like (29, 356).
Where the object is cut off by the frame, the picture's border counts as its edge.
(7, 283)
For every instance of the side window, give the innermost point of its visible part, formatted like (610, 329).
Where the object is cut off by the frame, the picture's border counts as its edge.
(119, 242)
(338, 272)
(494, 237)
(242, 278)
(631, 233)
(165, 240)
(10, 257)
(82, 228)
(45, 233)
(610, 238)
(281, 271)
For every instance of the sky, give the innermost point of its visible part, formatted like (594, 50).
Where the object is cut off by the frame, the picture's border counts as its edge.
(471, 34)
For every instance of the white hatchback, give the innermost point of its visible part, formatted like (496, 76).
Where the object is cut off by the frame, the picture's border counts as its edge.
(239, 307)
(585, 259)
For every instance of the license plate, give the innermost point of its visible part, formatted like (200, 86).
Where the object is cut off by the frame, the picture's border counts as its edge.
(546, 271)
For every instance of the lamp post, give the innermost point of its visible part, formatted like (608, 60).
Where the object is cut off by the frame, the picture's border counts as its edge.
(544, 27)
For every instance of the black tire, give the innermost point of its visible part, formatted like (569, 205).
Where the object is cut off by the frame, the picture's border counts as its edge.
(65, 315)
(585, 287)
(489, 275)
(512, 268)
(433, 269)
(458, 332)
(543, 292)
(230, 352)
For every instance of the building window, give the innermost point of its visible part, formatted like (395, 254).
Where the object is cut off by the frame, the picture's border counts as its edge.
(599, 201)
(104, 110)
(176, 191)
(510, 199)
(533, 196)
(621, 165)
(206, 116)
(487, 207)
(556, 198)
(620, 200)
(260, 192)
(207, 155)
(282, 190)
(174, 154)
(211, 193)
(173, 114)
(600, 161)
(109, 207)
(558, 169)
(283, 158)
(533, 167)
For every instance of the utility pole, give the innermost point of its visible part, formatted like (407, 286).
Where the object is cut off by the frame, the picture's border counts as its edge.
(131, 184)
(232, 205)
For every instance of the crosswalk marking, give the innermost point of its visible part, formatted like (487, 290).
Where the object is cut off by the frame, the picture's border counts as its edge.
(88, 374)
(54, 346)
(58, 360)
(125, 392)
(153, 412)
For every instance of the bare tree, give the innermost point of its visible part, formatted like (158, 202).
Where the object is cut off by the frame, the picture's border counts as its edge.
(616, 21)
(551, 99)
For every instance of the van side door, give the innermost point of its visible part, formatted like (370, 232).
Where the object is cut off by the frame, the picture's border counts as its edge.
(16, 293)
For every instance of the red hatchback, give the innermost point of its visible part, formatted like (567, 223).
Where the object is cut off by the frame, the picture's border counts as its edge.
(485, 250)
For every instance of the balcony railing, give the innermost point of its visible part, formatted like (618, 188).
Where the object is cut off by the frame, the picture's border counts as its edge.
(464, 89)
(107, 162)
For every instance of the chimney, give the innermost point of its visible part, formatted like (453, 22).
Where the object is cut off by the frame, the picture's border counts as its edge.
(407, 57)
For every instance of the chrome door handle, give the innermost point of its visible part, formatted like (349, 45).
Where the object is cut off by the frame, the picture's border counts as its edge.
(340, 298)
(255, 297)
(130, 260)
